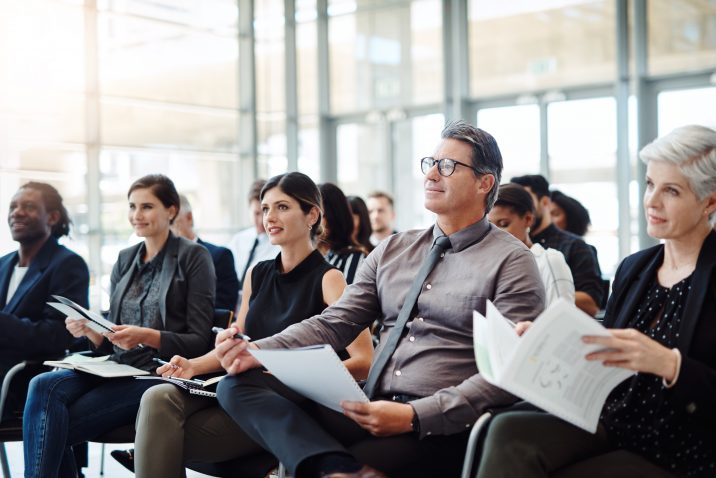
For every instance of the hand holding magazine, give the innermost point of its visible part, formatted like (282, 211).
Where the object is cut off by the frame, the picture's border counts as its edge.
(315, 372)
(546, 366)
(76, 312)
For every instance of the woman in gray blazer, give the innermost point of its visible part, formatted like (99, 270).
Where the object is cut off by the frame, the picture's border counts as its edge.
(162, 301)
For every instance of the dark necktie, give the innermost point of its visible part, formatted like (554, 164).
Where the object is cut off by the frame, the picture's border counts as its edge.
(248, 261)
(442, 243)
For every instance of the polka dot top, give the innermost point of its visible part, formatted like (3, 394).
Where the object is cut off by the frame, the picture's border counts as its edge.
(639, 415)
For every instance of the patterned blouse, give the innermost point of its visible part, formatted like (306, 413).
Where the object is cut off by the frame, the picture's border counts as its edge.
(639, 414)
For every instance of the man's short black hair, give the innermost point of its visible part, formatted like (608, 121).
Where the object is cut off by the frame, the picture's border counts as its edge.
(536, 182)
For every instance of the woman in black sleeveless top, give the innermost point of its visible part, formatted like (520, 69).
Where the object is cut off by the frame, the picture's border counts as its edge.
(296, 285)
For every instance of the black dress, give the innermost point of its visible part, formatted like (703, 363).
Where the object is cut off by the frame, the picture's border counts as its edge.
(279, 300)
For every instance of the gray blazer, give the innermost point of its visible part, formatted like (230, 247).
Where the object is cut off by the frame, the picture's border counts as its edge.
(187, 284)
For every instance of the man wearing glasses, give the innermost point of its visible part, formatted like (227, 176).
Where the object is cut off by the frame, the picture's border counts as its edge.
(424, 386)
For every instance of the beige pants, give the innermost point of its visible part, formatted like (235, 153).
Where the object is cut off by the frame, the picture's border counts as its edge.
(174, 427)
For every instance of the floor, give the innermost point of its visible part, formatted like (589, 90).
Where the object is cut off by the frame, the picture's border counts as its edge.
(112, 469)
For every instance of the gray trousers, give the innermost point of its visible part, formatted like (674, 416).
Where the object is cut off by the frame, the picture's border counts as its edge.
(534, 444)
(174, 427)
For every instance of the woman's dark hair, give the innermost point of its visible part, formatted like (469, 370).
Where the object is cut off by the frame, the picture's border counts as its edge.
(162, 187)
(578, 220)
(301, 188)
(339, 218)
(359, 208)
(515, 197)
(53, 202)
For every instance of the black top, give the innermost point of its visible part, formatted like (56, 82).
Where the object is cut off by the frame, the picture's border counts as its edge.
(639, 415)
(580, 259)
(279, 300)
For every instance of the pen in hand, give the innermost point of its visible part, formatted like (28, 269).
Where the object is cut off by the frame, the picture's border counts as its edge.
(164, 362)
(238, 335)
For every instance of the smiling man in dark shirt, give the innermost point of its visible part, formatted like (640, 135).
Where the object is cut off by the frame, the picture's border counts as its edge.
(580, 257)
(427, 392)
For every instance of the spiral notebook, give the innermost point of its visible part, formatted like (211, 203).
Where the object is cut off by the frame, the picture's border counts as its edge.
(193, 386)
(315, 372)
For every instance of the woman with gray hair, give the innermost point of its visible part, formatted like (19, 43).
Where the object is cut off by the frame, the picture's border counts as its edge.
(662, 421)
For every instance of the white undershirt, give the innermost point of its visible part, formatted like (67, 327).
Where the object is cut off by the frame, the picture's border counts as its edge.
(17, 275)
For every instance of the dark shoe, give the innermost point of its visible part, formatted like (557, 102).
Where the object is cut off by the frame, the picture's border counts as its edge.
(365, 472)
(125, 458)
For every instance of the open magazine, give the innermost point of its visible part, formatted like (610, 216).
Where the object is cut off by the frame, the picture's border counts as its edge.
(100, 366)
(76, 312)
(546, 366)
(192, 385)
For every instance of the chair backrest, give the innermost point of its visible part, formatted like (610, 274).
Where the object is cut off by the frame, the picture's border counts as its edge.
(222, 318)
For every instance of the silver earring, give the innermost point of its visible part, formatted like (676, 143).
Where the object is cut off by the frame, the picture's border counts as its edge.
(310, 227)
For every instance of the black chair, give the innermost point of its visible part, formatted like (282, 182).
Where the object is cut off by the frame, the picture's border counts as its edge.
(11, 427)
(479, 432)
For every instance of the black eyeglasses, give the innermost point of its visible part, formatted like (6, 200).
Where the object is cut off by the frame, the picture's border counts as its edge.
(446, 166)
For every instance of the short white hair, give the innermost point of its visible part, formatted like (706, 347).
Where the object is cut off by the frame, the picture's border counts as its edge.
(185, 205)
(692, 149)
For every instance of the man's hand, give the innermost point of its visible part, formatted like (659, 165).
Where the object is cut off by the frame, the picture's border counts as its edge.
(382, 417)
(233, 354)
(178, 366)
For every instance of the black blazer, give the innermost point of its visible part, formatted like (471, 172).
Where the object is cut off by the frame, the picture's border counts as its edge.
(187, 287)
(227, 283)
(31, 328)
(695, 389)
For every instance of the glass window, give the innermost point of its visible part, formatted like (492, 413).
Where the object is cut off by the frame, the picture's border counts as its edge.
(362, 165)
(525, 46)
(137, 123)
(517, 132)
(413, 139)
(386, 57)
(682, 107)
(156, 60)
(582, 159)
(217, 15)
(681, 35)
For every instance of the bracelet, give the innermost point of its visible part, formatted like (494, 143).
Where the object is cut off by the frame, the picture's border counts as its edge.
(678, 369)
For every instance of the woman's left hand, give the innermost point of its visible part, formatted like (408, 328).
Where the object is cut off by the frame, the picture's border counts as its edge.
(631, 349)
(127, 336)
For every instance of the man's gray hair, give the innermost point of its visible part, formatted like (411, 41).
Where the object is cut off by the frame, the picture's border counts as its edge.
(185, 204)
(486, 156)
(692, 149)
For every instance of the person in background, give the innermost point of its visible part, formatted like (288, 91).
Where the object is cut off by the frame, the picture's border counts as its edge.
(29, 277)
(361, 223)
(382, 216)
(251, 245)
(579, 255)
(297, 284)
(162, 300)
(569, 214)
(660, 422)
(336, 243)
(227, 284)
(514, 212)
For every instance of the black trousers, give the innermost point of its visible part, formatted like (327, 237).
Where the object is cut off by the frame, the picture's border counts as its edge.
(294, 428)
(540, 445)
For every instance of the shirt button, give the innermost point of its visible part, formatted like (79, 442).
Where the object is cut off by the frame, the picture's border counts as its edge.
(429, 433)
(420, 319)
(428, 286)
(412, 339)
(442, 254)
(398, 373)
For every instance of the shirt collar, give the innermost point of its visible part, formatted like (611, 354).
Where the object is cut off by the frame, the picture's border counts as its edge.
(466, 236)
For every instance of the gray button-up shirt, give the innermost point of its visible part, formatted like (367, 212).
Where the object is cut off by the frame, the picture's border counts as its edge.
(435, 359)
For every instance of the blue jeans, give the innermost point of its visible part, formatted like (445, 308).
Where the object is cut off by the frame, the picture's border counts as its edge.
(64, 408)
